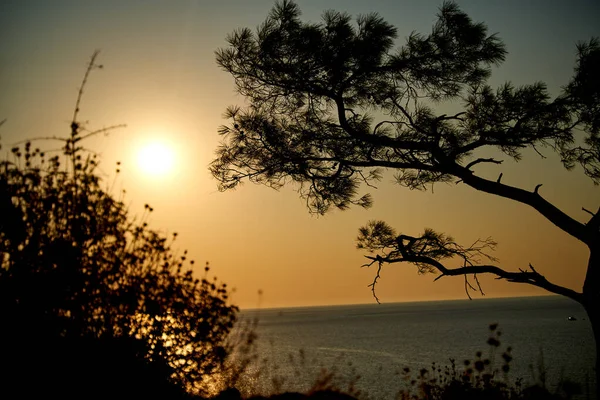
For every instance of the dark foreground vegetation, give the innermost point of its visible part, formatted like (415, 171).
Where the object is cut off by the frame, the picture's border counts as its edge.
(96, 304)
(92, 300)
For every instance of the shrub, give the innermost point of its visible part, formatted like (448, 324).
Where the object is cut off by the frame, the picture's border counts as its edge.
(78, 274)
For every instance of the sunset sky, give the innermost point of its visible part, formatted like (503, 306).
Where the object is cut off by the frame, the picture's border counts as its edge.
(161, 80)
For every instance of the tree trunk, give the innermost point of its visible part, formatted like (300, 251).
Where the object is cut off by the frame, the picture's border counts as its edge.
(591, 303)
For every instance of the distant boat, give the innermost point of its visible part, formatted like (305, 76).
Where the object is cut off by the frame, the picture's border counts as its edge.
(571, 318)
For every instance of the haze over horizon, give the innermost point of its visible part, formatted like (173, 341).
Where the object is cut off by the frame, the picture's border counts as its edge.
(160, 78)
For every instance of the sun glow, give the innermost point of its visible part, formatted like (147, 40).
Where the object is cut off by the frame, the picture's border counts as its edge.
(156, 159)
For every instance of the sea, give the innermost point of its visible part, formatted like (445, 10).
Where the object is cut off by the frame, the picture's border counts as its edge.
(370, 347)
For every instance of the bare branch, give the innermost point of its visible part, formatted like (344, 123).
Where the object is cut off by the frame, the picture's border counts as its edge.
(478, 284)
(39, 139)
(380, 124)
(588, 211)
(533, 199)
(467, 287)
(594, 222)
(530, 277)
(91, 65)
(483, 160)
(408, 117)
(377, 275)
(102, 131)
(366, 180)
(428, 251)
(538, 152)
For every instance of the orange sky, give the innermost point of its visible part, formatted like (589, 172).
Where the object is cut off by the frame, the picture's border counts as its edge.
(160, 78)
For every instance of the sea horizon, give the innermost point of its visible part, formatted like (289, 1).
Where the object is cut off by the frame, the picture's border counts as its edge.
(377, 341)
(374, 302)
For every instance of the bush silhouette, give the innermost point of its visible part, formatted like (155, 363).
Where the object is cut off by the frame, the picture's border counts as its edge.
(90, 298)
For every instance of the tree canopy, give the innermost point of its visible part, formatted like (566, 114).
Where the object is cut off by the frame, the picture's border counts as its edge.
(333, 104)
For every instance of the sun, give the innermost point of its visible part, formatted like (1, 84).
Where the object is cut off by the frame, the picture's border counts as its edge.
(156, 159)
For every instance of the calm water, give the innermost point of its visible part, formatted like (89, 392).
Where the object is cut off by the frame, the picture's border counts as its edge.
(377, 341)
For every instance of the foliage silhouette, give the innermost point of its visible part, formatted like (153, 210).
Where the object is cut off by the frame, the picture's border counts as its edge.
(90, 298)
(332, 104)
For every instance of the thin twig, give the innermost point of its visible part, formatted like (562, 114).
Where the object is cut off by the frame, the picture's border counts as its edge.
(91, 65)
(588, 211)
(379, 261)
